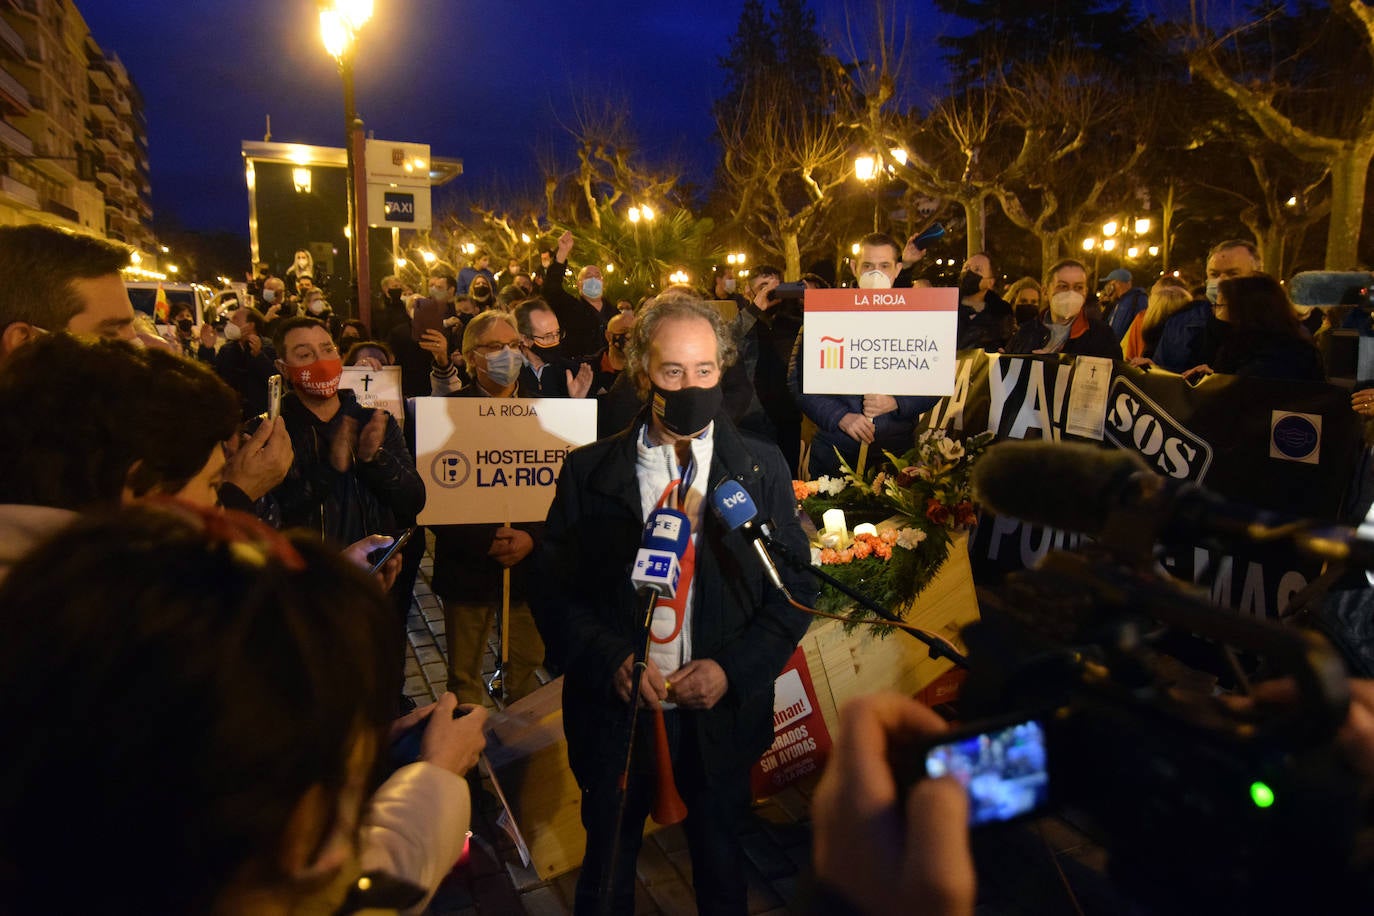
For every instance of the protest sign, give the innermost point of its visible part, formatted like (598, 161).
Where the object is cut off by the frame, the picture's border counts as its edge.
(892, 341)
(1286, 446)
(378, 388)
(495, 459)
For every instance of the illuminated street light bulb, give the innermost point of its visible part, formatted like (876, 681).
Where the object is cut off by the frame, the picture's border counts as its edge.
(898, 155)
(135, 258)
(1109, 228)
(1132, 252)
(1089, 244)
(854, 249)
(469, 248)
(633, 215)
(334, 32)
(164, 249)
(1292, 202)
(173, 269)
(1142, 225)
(678, 276)
(348, 232)
(739, 257)
(1154, 251)
(646, 212)
(1109, 244)
(525, 237)
(729, 259)
(865, 167)
(300, 179)
(354, 12)
(420, 163)
(429, 256)
(401, 262)
(610, 268)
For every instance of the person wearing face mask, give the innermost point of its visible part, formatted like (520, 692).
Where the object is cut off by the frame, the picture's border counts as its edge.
(353, 475)
(715, 649)
(548, 373)
(845, 422)
(479, 299)
(1067, 324)
(411, 355)
(480, 267)
(584, 317)
(302, 268)
(985, 318)
(612, 359)
(183, 326)
(245, 361)
(469, 559)
(1121, 301)
(766, 327)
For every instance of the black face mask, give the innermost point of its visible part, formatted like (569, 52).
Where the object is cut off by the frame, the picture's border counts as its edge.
(619, 340)
(480, 294)
(394, 295)
(969, 284)
(686, 411)
(185, 325)
(548, 354)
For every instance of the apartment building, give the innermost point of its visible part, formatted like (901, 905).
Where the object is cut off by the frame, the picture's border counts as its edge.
(73, 138)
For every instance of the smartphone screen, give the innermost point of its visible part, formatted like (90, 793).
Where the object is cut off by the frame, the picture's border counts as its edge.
(1004, 770)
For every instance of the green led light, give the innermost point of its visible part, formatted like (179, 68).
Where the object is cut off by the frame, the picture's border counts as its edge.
(1261, 795)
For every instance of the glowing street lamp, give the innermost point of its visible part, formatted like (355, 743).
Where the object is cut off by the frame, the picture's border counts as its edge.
(1110, 228)
(865, 168)
(633, 214)
(1142, 225)
(679, 276)
(1109, 244)
(1089, 244)
(339, 27)
(647, 212)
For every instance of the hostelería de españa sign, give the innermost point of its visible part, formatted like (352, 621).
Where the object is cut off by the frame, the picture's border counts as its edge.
(879, 341)
(495, 459)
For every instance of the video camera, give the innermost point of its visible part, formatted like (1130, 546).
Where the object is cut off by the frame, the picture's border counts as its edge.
(1202, 802)
(787, 291)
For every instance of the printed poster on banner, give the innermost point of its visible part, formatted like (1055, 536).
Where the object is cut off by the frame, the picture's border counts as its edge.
(879, 341)
(377, 388)
(801, 742)
(495, 460)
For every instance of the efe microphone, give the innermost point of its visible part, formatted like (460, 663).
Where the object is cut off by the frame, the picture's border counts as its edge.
(658, 562)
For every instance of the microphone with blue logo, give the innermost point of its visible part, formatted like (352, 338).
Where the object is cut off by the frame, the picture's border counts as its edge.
(658, 565)
(735, 508)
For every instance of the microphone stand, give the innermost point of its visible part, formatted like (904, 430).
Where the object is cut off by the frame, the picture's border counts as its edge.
(649, 597)
(936, 648)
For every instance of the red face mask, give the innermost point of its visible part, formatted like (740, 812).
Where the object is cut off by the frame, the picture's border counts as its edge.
(319, 379)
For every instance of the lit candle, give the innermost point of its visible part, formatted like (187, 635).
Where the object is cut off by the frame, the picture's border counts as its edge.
(833, 519)
(866, 528)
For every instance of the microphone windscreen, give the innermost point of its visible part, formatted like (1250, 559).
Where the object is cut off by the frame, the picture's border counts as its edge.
(1070, 486)
(667, 529)
(733, 504)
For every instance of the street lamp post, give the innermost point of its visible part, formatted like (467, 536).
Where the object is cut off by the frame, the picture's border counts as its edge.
(339, 25)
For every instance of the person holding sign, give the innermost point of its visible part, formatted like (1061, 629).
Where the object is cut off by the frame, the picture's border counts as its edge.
(845, 422)
(469, 559)
(716, 646)
(353, 475)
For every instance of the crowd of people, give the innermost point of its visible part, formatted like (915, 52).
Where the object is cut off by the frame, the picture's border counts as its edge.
(170, 540)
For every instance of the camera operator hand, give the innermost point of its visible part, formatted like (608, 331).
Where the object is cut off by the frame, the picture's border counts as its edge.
(878, 857)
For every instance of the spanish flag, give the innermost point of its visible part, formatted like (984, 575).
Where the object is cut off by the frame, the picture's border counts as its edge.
(162, 310)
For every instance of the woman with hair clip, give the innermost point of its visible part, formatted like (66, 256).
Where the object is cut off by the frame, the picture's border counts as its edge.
(210, 743)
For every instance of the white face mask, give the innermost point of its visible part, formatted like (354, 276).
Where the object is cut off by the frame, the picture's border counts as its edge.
(232, 331)
(875, 279)
(1065, 305)
(316, 307)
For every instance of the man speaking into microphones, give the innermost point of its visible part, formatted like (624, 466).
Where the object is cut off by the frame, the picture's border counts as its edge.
(631, 522)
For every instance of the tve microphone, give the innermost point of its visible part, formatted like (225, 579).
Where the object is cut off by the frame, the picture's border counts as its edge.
(1078, 487)
(658, 563)
(735, 508)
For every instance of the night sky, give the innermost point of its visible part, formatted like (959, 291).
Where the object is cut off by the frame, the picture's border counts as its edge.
(482, 80)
